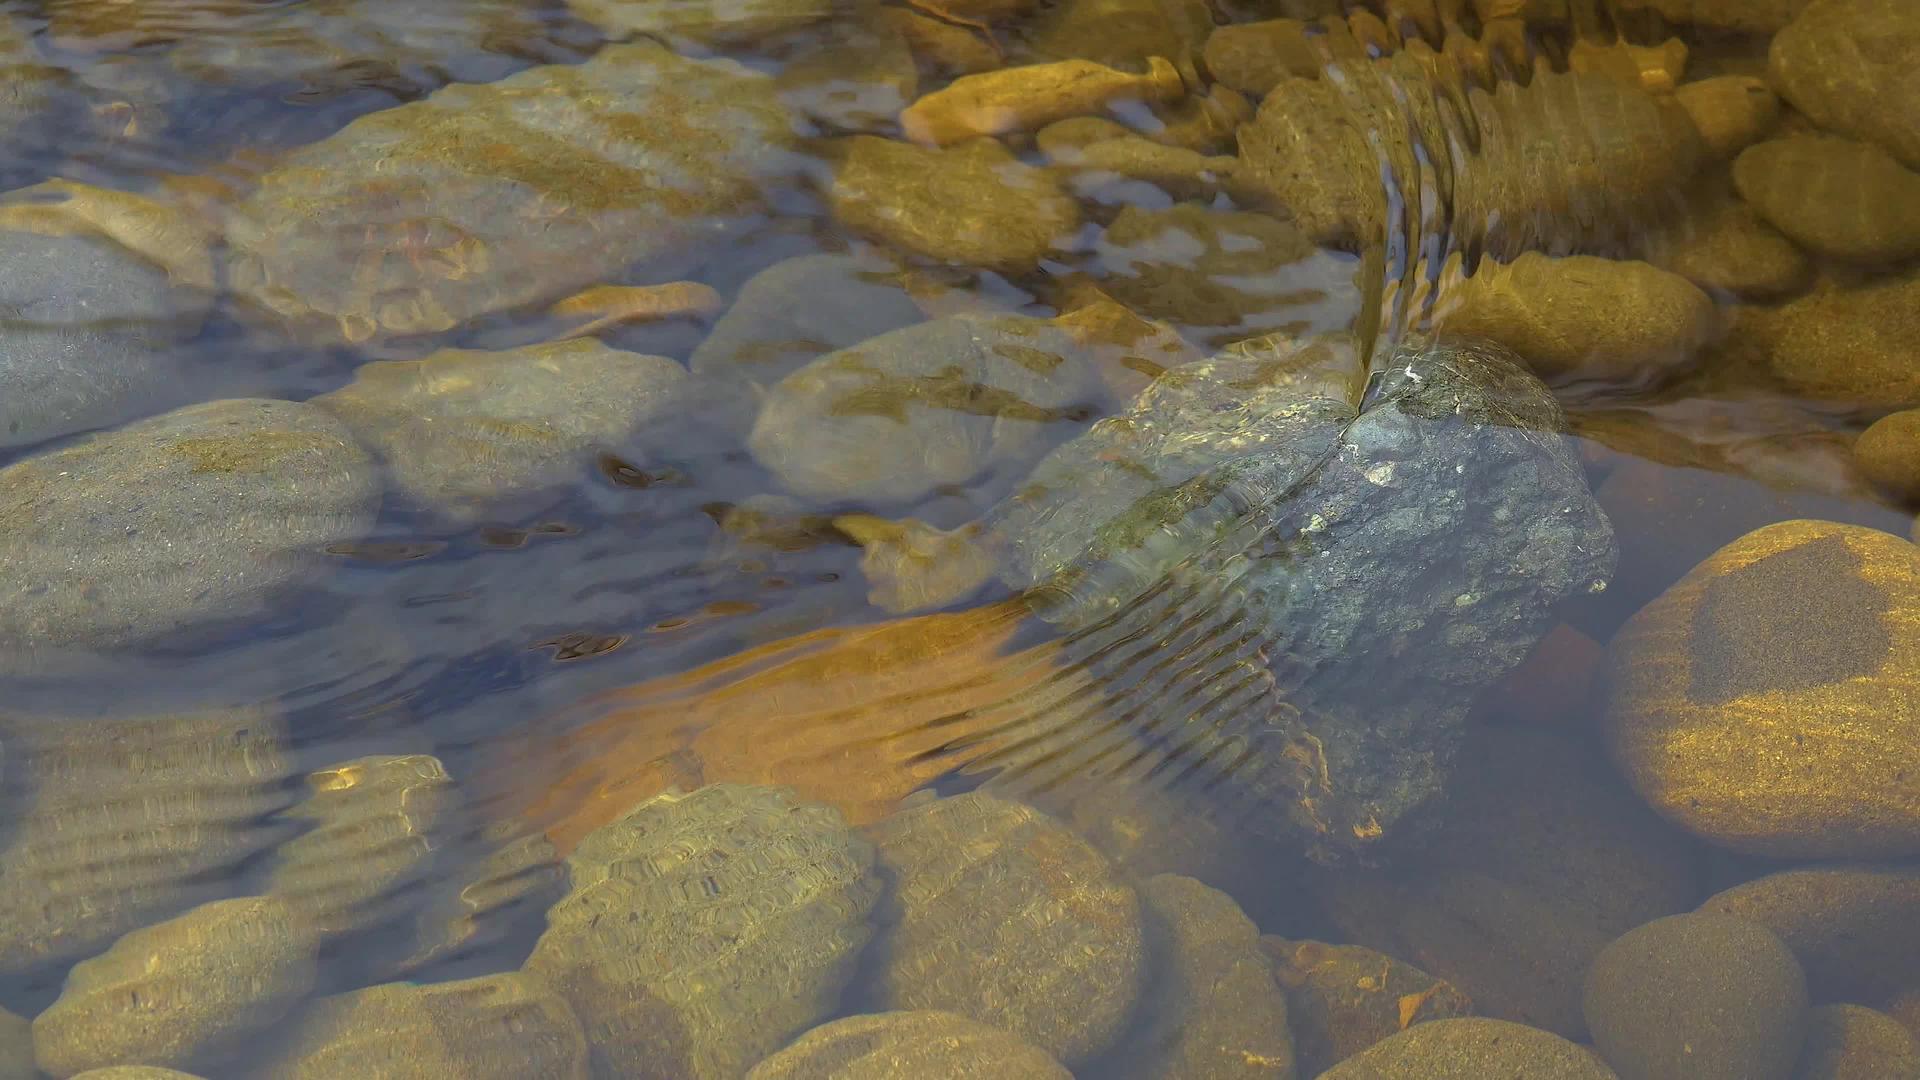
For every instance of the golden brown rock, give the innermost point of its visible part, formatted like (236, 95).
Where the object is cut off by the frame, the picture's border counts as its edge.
(1111, 170)
(973, 204)
(1731, 111)
(1746, 16)
(1847, 345)
(605, 306)
(942, 46)
(499, 1027)
(1124, 34)
(999, 913)
(1031, 97)
(1342, 999)
(1654, 67)
(162, 234)
(1847, 64)
(1254, 57)
(1855, 927)
(1582, 318)
(912, 566)
(179, 991)
(1766, 702)
(1889, 454)
(1722, 246)
(1536, 861)
(1470, 1048)
(1852, 1042)
(890, 1045)
(1836, 197)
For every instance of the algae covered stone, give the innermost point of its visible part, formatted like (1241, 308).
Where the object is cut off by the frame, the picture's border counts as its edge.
(1001, 914)
(973, 203)
(1767, 701)
(705, 930)
(116, 822)
(195, 515)
(1704, 996)
(467, 431)
(487, 197)
(504, 1026)
(372, 827)
(185, 990)
(944, 402)
(1470, 1048)
(883, 1046)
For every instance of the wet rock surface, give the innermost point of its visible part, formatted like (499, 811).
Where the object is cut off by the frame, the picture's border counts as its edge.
(180, 991)
(1847, 345)
(1764, 702)
(118, 822)
(505, 1025)
(466, 432)
(972, 203)
(803, 308)
(1471, 1049)
(1835, 197)
(1841, 63)
(998, 913)
(199, 514)
(489, 197)
(954, 401)
(703, 931)
(1889, 454)
(1342, 999)
(1708, 996)
(1725, 247)
(1854, 927)
(707, 21)
(914, 1043)
(1731, 111)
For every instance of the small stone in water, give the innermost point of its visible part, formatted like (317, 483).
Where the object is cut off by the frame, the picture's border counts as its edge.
(1835, 197)
(891, 1045)
(1031, 97)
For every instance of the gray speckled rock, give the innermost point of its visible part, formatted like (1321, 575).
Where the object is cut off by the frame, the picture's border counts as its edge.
(86, 325)
(196, 515)
(1001, 914)
(796, 310)
(1700, 996)
(180, 991)
(467, 431)
(885, 1046)
(1215, 1011)
(373, 825)
(1259, 501)
(1847, 64)
(486, 197)
(116, 822)
(704, 930)
(1469, 1048)
(950, 401)
(504, 1026)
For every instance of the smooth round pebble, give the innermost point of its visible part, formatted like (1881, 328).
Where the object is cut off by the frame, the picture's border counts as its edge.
(1836, 197)
(1855, 927)
(1471, 1048)
(1852, 1042)
(1697, 997)
(885, 1046)
(1731, 111)
(1888, 454)
(1848, 65)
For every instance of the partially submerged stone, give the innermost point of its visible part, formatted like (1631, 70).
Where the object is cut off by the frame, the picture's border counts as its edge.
(1766, 702)
(1342, 999)
(1724, 247)
(973, 204)
(608, 306)
(1731, 111)
(1116, 169)
(801, 308)
(1031, 97)
(484, 198)
(1124, 34)
(496, 1027)
(372, 827)
(200, 514)
(945, 402)
(705, 930)
(883, 1046)
(466, 432)
(854, 74)
(1255, 57)
(1836, 197)
(1848, 345)
(98, 284)
(186, 990)
(1582, 318)
(912, 566)
(117, 822)
(708, 21)
(1844, 63)
(1001, 914)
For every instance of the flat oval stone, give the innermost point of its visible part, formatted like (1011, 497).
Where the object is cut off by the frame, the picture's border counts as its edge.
(196, 515)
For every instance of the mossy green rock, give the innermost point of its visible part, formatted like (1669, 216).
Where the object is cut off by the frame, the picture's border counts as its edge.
(185, 990)
(705, 930)
(883, 1046)
(1471, 1049)
(497, 1027)
(117, 822)
(1852, 1042)
(487, 197)
(465, 432)
(1001, 914)
(199, 514)
(1698, 997)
